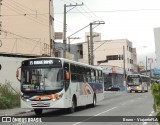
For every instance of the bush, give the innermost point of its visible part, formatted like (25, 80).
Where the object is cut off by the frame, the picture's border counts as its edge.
(155, 89)
(158, 117)
(9, 98)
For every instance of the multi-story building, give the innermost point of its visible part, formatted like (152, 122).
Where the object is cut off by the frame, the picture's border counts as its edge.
(26, 31)
(157, 45)
(26, 26)
(111, 52)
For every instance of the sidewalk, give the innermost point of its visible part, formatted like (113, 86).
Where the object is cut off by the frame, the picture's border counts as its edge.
(14, 111)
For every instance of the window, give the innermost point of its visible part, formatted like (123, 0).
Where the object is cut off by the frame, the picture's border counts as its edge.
(73, 77)
(112, 57)
(88, 71)
(120, 57)
(130, 61)
(66, 66)
(72, 66)
(80, 78)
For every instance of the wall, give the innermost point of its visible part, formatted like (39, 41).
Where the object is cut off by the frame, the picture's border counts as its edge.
(26, 26)
(157, 45)
(8, 70)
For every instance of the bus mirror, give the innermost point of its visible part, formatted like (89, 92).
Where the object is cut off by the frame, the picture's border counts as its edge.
(67, 75)
(18, 74)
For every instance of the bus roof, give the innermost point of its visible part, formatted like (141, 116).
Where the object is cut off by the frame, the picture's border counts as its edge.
(66, 60)
(137, 74)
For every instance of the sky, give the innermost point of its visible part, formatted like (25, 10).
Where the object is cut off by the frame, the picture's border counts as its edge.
(130, 19)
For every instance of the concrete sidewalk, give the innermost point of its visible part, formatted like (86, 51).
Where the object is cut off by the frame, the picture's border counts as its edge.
(14, 111)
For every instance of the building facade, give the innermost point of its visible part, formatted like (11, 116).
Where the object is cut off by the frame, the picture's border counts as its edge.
(157, 45)
(118, 53)
(27, 27)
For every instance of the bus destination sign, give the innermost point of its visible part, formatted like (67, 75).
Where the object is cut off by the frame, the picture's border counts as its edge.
(41, 62)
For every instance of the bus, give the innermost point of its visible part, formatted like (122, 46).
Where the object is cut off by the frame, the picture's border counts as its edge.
(58, 83)
(138, 83)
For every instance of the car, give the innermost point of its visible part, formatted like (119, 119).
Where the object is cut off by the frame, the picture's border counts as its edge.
(113, 88)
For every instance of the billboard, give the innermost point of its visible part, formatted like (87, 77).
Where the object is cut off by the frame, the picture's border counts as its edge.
(156, 71)
(58, 35)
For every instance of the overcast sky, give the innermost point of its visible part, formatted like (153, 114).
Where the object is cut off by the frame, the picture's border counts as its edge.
(131, 19)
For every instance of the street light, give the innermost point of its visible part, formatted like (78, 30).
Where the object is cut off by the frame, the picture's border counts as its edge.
(146, 56)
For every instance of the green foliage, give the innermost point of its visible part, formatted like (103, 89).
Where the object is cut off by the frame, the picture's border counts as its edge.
(158, 117)
(8, 97)
(155, 89)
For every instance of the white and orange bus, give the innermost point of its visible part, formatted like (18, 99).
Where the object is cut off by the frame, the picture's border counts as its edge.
(59, 83)
(138, 83)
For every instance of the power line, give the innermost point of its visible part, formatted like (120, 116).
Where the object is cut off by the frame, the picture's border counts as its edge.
(5, 31)
(85, 15)
(27, 8)
(19, 11)
(109, 11)
(35, 20)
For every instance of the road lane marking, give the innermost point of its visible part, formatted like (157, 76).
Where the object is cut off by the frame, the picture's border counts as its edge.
(105, 111)
(94, 116)
(145, 123)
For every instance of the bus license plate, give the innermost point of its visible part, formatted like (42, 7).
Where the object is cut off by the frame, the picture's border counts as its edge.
(40, 104)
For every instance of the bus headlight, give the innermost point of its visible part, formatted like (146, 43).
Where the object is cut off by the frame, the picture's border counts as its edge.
(138, 87)
(59, 96)
(53, 99)
(25, 99)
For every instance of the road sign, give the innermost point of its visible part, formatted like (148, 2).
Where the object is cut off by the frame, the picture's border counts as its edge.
(150, 60)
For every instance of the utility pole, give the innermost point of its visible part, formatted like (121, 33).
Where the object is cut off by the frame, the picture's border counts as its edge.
(0, 17)
(124, 68)
(91, 39)
(64, 25)
(146, 65)
(70, 42)
(51, 41)
(89, 48)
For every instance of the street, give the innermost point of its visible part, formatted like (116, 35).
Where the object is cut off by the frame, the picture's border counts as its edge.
(121, 104)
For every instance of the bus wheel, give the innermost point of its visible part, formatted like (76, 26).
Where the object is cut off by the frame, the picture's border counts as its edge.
(38, 111)
(72, 109)
(94, 101)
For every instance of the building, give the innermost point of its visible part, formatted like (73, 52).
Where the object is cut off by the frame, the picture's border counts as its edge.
(27, 27)
(26, 31)
(157, 45)
(112, 53)
(72, 55)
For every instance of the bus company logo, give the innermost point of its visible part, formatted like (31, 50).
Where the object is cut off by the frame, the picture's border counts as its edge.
(6, 119)
(31, 63)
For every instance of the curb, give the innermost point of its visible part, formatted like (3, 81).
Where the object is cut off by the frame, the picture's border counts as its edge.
(22, 112)
(17, 113)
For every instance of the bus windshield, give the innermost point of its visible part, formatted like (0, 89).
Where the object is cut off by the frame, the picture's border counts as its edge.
(41, 79)
(133, 81)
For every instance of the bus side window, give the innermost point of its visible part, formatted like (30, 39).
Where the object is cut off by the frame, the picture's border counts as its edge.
(140, 80)
(73, 73)
(66, 70)
(66, 66)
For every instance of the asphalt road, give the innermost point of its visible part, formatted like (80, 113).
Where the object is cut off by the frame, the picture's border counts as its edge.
(121, 104)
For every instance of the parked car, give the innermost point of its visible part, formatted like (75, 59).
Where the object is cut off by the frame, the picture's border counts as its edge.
(113, 88)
